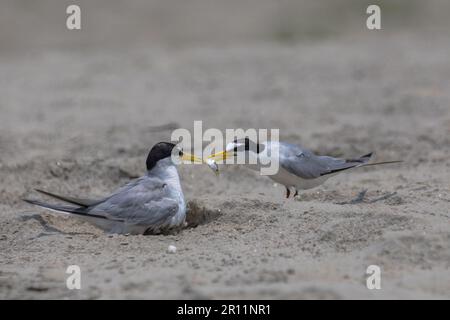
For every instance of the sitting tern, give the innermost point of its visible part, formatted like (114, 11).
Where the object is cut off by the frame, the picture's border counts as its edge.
(153, 203)
(299, 168)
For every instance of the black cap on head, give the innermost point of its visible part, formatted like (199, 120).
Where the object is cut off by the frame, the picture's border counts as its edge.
(249, 145)
(161, 150)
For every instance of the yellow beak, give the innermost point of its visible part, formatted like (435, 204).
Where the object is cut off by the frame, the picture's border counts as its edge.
(221, 156)
(191, 158)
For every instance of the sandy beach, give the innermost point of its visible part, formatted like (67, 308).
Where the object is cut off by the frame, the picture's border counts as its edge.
(81, 123)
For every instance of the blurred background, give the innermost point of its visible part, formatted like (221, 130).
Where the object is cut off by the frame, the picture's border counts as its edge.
(217, 61)
(233, 63)
(114, 24)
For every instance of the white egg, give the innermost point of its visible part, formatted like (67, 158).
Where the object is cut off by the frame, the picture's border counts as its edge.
(172, 249)
(213, 165)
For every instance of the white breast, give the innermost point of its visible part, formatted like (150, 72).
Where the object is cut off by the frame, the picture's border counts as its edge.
(283, 176)
(172, 180)
(288, 179)
(167, 172)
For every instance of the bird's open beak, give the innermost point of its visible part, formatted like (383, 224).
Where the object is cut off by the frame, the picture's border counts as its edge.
(221, 156)
(191, 158)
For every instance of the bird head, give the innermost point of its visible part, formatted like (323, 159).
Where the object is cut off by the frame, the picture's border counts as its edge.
(166, 151)
(236, 147)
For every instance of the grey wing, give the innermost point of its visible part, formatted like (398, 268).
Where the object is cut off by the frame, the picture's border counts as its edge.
(143, 201)
(305, 164)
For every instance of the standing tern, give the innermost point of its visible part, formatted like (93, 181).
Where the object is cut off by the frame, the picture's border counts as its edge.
(299, 168)
(153, 203)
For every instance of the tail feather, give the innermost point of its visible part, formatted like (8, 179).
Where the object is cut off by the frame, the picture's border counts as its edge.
(76, 201)
(81, 211)
(383, 162)
(360, 162)
(363, 159)
(369, 155)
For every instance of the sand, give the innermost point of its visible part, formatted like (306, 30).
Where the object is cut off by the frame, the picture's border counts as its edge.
(79, 123)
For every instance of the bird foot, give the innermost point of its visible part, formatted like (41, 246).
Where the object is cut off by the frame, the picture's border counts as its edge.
(288, 193)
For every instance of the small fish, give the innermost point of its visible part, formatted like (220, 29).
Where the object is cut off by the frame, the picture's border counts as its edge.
(213, 165)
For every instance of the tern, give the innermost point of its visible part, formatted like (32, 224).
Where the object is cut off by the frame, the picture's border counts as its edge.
(299, 168)
(153, 203)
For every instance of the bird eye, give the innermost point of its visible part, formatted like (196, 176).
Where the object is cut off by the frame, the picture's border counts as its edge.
(180, 153)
